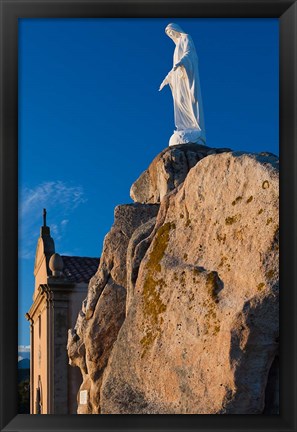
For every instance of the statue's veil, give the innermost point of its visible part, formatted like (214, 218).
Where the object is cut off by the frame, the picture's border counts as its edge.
(175, 27)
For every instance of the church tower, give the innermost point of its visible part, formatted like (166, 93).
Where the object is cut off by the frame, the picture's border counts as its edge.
(61, 284)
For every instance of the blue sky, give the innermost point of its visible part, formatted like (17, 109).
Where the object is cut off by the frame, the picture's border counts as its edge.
(91, 118)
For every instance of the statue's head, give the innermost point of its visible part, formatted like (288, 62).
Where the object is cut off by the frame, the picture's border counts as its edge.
(173, 31)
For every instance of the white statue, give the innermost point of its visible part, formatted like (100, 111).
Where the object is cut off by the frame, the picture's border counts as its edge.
(185, 87)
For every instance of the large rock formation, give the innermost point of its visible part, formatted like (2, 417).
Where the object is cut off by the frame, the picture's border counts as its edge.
(168, 170)
(103, 311)
(197, 331)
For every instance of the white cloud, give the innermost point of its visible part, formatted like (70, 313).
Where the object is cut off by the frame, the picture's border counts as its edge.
(20, 358)
(59, 199)
(55, 231)
(50, 195)
(24, 348)
(68, 253)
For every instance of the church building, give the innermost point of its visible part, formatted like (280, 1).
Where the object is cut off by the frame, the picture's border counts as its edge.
(61, 284)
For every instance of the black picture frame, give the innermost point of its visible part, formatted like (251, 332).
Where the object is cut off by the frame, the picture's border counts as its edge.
(11, 10)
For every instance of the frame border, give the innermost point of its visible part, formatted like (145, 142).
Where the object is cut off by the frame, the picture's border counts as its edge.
(10, 11)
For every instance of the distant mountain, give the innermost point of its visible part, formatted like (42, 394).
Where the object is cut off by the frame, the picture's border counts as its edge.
(23, 355)
(24, 364)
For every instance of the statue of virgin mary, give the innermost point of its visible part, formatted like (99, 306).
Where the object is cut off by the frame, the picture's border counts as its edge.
(184, 82)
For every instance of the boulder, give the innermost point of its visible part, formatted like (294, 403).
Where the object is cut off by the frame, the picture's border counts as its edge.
(103, 311)
(201, 331)
(168, 170)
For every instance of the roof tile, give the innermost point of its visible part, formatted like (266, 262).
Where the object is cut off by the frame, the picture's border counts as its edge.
(79, 269)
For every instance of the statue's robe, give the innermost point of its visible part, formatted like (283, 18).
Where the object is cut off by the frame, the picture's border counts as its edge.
(185, 85)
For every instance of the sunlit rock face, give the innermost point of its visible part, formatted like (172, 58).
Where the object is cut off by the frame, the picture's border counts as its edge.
(168, 170)
(103, 311)
(198, 330)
